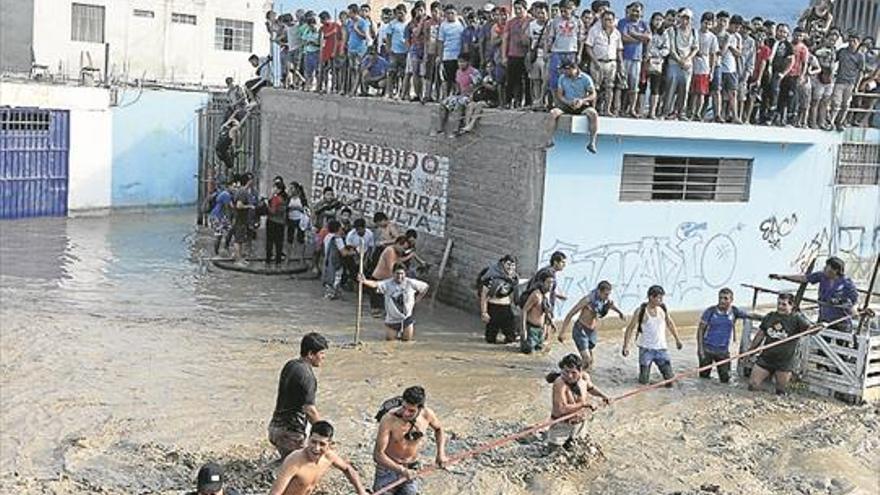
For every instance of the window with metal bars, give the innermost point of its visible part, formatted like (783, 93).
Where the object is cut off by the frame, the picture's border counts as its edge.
(685, 178)
(87, 23)
(24, 120)
(178, 18)
(144, 13)
(233, 35)
(858, 164)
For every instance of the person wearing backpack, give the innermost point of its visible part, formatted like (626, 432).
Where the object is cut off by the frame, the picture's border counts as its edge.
(496, 286)
(403, 423)
(650, 323)
(717, 326)
(589, 309)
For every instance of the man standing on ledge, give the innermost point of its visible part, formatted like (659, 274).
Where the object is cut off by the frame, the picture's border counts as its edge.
(297, 387)
(401, 437)
(838, 295)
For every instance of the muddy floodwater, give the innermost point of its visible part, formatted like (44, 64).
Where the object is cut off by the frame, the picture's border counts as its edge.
(127, 360)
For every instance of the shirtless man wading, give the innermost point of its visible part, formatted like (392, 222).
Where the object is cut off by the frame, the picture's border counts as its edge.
(303, 469)
(401, 437)
(537, 315)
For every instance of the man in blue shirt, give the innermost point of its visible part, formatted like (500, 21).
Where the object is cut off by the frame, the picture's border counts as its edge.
(397, 49)
(715, 332)
(374, 70)
(219, 216)
(838, 295)
(635, 34)
(449, 36)
(356, 31)
(575, 95)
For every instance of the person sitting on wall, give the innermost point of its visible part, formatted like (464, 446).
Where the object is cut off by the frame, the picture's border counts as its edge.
(374, 70)
(264, 74)
(467, 80)
(575, 95)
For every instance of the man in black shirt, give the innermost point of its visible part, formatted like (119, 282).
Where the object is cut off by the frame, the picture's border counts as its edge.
(210, 481)
(297, 387)
(777, 361)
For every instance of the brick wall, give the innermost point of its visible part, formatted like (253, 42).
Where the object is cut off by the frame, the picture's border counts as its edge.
(496, 174)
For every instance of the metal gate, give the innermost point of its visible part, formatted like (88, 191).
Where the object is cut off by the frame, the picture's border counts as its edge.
(34, 153)
(247, 150)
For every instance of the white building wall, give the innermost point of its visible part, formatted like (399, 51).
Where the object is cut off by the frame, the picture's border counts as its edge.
(90, 135)
(150, 48)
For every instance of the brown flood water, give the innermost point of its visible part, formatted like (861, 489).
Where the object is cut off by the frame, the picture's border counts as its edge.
(126, 361)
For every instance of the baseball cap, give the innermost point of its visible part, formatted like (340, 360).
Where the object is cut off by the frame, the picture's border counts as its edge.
(210, 478)
(489, 7)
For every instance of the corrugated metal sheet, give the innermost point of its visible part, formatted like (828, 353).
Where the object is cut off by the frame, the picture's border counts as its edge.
(34, 157)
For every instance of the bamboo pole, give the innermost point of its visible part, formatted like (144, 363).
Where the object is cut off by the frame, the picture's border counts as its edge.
(357, 325)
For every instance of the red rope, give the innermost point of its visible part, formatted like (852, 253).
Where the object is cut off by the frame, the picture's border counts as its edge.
(626, 395)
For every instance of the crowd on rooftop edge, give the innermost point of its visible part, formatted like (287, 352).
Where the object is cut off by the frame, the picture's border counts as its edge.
(673, 65)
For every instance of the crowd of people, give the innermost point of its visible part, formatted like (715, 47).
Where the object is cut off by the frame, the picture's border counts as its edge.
(536, 55)
(348, 250)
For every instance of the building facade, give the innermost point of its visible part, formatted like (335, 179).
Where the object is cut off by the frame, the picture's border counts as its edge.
(197, 42)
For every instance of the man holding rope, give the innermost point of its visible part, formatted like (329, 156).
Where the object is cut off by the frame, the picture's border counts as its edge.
(777, 361)
(571, 384)
(400, 438)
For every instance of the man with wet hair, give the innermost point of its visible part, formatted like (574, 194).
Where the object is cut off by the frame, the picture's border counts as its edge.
(401, 295)
(401, 437)
(537, 314)
(589, 309)
(211, 480)
(496, 285)
(650, 323)
(297, 390)
(838, 296)
(714, 333)
(571, 384)
(778, 361)
(303, 469)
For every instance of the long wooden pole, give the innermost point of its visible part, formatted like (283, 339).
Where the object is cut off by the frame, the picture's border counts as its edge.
(441, 271)
(357, 325)
(871, 286)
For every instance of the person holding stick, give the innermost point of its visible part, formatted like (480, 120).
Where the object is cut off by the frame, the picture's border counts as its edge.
(838, 296)
(571, 384)
(401, 294)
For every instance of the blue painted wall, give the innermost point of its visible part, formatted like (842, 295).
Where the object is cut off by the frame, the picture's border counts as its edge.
(155, 148)
(695, 248)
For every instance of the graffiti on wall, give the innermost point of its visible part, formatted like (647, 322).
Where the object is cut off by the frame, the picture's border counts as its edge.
(692, 259)
(856, 246)
(774, 229)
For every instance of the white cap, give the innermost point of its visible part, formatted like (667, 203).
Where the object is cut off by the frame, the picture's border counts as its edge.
(687, 12)
(489, 7)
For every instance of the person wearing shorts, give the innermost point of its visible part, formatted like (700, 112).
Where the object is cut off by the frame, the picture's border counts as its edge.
(589, 310)
(649, 323)
(564, 37)
(703, 65)
(397, 52)
(535, 315)
(777, 361)
(401, 294)
(636, 35)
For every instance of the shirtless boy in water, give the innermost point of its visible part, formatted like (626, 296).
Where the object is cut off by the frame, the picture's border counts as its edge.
(537, 321)
(303, 469)
(592, 307)
(400, 438)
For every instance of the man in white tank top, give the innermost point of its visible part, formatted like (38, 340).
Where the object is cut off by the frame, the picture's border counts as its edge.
(650, 322)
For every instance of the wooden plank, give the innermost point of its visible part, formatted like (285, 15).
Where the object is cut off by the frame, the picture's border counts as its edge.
(842, 351)
(873, 381)
(841, 365)
(813, 359)
(832, 393)
(831, 380)
(834, 334)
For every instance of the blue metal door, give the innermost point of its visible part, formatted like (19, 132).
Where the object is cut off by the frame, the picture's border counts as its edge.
(34, 155)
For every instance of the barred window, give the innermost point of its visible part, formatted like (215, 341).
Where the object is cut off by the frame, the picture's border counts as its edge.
(183, 18)
(24, 120)
(685, 178)
(144, 13)
(858, 164)
(87, 23)
(233, 35)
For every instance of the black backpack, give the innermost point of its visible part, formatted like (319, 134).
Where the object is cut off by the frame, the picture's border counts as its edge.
(388, 405)
(641, 315)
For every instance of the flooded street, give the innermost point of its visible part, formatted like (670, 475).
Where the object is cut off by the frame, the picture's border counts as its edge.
(127, 360)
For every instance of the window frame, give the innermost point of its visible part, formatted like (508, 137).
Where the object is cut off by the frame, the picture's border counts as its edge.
(183, 18)
(77, 23)
(144, 13)
(233, 35)
(685, 179)
(858, 164)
